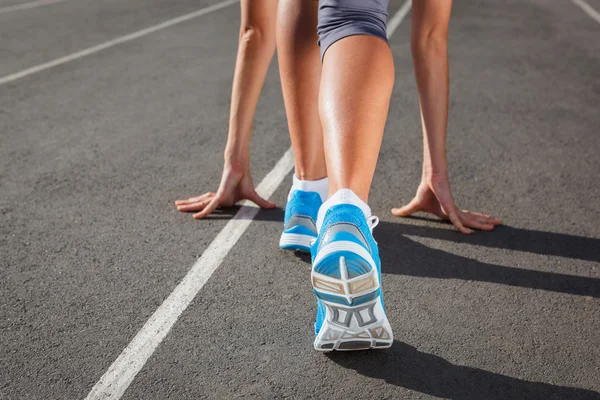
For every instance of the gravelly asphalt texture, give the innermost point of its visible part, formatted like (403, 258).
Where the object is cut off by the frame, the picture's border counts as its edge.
(94, 152)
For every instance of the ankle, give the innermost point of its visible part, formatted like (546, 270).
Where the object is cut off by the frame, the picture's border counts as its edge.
(320, 186)
(310, 172)
(361, 193)
(343, 196)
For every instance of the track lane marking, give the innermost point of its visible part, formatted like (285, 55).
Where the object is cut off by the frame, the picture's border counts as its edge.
(118, 377)
(27, 6)
(116, 41)
(121, 373)
(397, 19)
(589, 10)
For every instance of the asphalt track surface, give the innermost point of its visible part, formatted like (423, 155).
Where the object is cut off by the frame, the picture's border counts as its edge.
(94, 152)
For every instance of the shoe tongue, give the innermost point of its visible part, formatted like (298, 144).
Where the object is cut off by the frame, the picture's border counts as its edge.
(342, 196)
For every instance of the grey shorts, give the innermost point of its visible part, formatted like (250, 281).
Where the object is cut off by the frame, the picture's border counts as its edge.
(342, 18)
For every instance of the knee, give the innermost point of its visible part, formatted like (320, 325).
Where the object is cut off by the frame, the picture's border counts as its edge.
(256, 36)
(342, 18)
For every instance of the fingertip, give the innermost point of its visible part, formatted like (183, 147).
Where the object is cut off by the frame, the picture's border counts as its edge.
(465, 230)
(259, 201)
(398, 212)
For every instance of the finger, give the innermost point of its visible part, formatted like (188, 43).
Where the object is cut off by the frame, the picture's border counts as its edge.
(448, 207)
(482, 218)
(195, 199)
(494, 221)
(454, 218)
(488, 221)
(408, 209)
(486, 218)
(208, 209)
(473, 222)
(259, 201)
(194, 206)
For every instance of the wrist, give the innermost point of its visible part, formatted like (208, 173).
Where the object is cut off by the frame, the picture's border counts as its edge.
(236, 158)
(436, 170)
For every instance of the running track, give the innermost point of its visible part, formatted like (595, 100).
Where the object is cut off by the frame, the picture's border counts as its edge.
(110, 110)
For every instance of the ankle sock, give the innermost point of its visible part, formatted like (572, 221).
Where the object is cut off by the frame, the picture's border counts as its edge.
(342, 196)
(320, 186)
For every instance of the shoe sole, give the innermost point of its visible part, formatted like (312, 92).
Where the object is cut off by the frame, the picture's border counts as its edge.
(354, 315)
(296, 242)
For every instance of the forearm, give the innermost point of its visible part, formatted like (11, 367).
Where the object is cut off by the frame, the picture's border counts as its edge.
(429, 45)
(254, 55)
(430, 59)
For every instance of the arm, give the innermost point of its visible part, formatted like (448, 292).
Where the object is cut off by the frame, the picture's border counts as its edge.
(429, 45)
(255, 51)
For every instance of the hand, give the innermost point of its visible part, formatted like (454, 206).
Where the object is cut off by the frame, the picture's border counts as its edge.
(236, 185)
(434, 197)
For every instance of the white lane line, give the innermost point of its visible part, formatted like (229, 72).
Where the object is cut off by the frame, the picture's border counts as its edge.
(397, 19)
(121, 373)
(588, 9)
(27, 6)
(116, 41)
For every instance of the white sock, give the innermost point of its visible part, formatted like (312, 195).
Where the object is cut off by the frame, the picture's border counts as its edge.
(320, 186)
(342, 196)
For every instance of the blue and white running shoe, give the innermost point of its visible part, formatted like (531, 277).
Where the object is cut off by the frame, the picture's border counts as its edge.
(299, 225)
(346, 277)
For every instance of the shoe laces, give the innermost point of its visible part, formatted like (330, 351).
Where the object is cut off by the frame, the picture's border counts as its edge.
(372, 221)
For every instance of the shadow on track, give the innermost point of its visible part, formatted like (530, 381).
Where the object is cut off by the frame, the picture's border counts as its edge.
(403, 256)
(507, 237)
(405, 366)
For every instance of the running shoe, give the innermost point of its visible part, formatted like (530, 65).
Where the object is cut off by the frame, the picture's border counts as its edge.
(346, 277)
(299, 225)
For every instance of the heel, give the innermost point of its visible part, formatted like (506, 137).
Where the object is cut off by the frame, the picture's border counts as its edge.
(341, 275)
(354, 328)
(348, 286)
(295, 242)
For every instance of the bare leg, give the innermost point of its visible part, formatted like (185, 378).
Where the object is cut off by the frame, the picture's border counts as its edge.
(355, 91)
(356, 86)
(300, 70)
